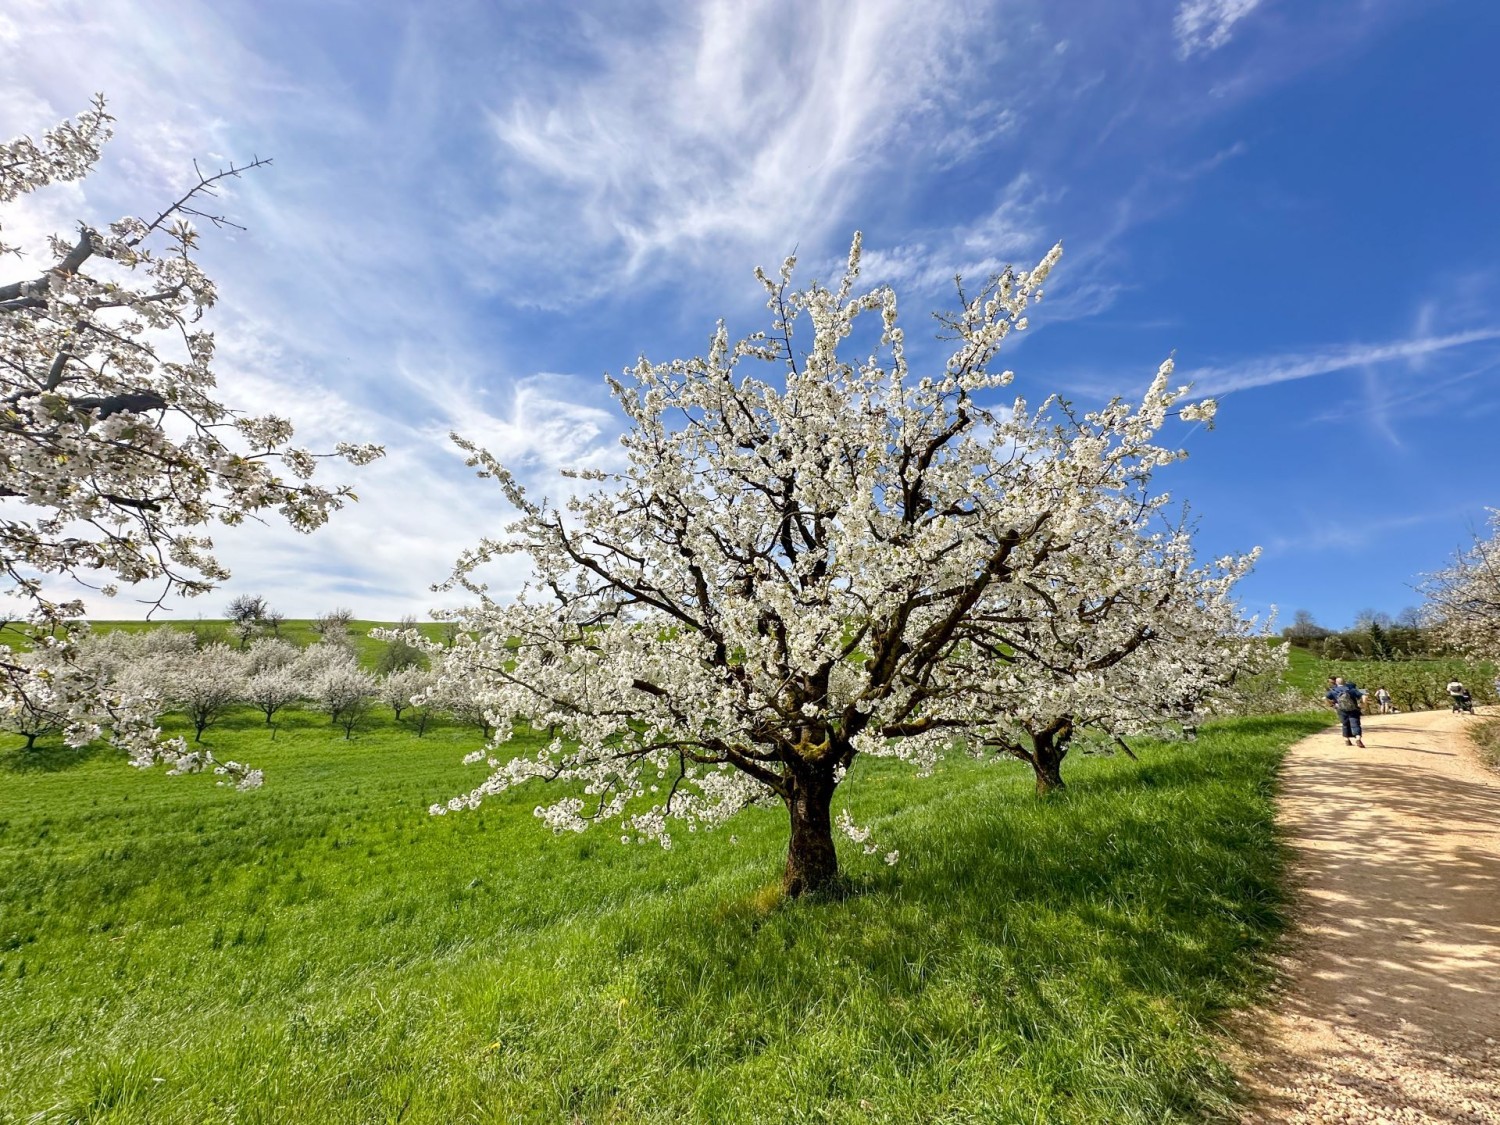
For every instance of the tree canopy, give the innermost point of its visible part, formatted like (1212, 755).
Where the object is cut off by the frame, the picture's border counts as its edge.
(812, 557)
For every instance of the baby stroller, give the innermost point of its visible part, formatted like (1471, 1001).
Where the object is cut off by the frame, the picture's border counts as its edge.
(1462, 700)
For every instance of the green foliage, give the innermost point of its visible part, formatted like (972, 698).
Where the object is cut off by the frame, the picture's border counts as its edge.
(1415, 685)
(398, 655)
(322, 950)
(1376, 637)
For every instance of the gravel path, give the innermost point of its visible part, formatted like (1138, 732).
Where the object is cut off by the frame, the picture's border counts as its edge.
(1391, 1011)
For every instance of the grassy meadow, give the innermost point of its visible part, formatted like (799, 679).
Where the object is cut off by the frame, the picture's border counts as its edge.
(322, 950)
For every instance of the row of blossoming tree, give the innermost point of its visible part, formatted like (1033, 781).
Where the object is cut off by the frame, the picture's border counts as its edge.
(816, 553)
(166, 669)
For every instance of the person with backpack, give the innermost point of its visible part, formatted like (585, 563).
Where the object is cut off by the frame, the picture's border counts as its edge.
(1345, 699)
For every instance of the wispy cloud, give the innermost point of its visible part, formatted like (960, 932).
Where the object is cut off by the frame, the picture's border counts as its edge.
(467, 198)
(1343, 535)
(751, 128)
(1206, 25)
(1009, 234)
(1269, 370)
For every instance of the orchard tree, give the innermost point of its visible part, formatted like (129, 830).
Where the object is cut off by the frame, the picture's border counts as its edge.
(1136, 639)
(399, 652)
(204, 684)
(268, 654)
(43, 711)
(271, 689)
(116, 451)
(1463, 600)
(398, 689)
(333, 627)
(247, 614)
(345, 691)
(465, 700)
(810, 557)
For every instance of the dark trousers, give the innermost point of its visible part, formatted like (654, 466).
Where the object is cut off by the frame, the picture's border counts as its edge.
(1350, 721)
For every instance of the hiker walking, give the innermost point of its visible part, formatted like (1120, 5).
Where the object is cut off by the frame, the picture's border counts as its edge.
(1345, 698)
(1383, 700)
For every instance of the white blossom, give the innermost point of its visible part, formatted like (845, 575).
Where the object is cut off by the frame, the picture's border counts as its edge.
(340, 687)
(1463, 599)
(272, 688)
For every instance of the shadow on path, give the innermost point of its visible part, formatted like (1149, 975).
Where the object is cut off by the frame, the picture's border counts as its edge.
(1392, 1005)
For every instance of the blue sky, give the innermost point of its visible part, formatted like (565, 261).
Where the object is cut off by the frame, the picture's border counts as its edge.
(476, 209)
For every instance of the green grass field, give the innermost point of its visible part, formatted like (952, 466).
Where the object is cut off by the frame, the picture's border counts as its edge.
(1304, 671)
(322, 950)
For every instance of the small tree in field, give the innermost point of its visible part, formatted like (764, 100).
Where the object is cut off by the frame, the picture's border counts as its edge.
(397, 689)
(116, 452)
(270, 653)
(333, 627)
(345, 691)
(1154, 649)
(833, 558)
(400, 652)
(204, 685)
(247, 614)
(271, 689)
(42, 711)
(1463, 600)
(465, 701)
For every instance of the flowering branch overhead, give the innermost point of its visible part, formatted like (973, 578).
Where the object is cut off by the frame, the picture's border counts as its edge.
(116, 451)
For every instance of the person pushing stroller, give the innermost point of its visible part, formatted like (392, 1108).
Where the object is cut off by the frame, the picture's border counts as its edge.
(1462, 699)
(1345, 698)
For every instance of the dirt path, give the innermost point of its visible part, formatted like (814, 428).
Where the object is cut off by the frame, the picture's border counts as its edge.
(1392, 1006)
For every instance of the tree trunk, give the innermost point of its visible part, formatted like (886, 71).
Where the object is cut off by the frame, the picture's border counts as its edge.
(1049, 748)
(1048, 767)
(812, 864)
(31, 742)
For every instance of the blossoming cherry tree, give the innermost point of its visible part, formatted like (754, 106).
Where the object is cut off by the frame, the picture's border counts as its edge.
(810, 557)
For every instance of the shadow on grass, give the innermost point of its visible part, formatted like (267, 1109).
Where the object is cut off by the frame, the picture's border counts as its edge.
(1059, 935)
(47, 758)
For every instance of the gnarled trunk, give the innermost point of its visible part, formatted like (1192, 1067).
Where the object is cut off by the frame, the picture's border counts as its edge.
(1048, 767)
(1049, 748)
(812, 864)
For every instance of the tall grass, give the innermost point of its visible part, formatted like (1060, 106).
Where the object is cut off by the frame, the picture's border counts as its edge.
(323, 951)
(1486, 738)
